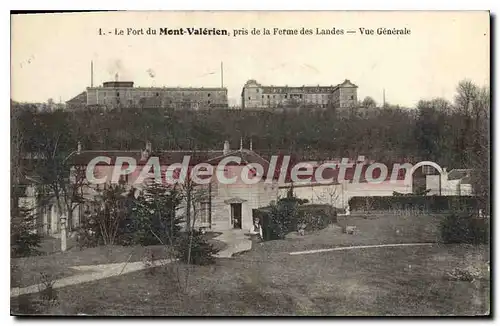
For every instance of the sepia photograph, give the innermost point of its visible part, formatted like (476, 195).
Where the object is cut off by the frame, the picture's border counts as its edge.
(250, 163)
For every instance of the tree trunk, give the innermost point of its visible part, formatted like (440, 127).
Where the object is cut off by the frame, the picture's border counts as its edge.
(62, 220)
(188, 208)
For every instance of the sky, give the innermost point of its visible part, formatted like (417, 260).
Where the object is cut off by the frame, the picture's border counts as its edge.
(51, 53)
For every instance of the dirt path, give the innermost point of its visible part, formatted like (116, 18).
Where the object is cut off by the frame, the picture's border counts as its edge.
(91, 273)
(360, 247)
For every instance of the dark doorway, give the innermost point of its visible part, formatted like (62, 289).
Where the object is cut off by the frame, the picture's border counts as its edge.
(236, 215)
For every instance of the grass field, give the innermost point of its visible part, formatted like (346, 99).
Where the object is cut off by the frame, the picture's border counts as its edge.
(371, 230)
(269, 281)
(27, 271)
(383, 281)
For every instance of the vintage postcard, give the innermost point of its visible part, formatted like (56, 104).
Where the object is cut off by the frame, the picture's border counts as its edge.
(290, 163)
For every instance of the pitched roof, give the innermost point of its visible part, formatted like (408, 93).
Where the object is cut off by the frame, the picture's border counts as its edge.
(457, 174)
(79, 99)
(212, 157)
(298, 89)
(165, 157)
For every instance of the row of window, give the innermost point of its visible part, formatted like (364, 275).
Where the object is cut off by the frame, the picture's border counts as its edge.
(131, 102)
(315, 96)
(315, 99)
(153, 94)
(316, 90)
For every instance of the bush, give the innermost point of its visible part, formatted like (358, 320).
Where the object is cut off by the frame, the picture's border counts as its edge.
(88, 233)
(414, 202)
(317, 217)
(282, 218)
(201, 251)
(24, 241)
(465, 228)
(152, 217)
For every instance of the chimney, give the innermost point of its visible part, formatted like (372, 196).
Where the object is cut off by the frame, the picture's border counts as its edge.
(226, 148)
(79, 148)
(146, 152)
(91, 73)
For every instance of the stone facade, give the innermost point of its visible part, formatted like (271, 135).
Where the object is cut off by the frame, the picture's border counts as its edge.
(125, 95)
(218, 207)
(257, 96)
(227, 198)
(338, 195)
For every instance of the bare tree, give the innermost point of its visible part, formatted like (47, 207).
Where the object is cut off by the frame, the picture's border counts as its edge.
(111, 211)
(368, 102)
(473, 103)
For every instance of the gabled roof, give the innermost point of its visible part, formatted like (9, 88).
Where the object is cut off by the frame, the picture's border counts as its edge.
(165, 157)
(212, 157)
(247, 157)
(80, 98)
(347, 83)
(457, 174)
(299, 89)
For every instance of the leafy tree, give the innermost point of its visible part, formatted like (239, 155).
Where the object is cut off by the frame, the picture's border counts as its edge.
(154, 215)
(24, 241)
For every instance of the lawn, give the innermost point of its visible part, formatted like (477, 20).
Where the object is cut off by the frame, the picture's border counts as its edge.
(377, 281)
(371, 230)
(27, 271)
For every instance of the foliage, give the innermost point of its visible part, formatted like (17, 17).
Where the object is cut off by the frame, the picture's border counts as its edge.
(153, 217)
(110, 209)
(280, 218)
(465, 228)
(368, 102)
(48, 293)
(317, 217)
(283, 219)
(88, 233)
(469, 275)
(52, 142)
(24, 241)
(414, 202)
(193, 248)
(436, 130)
(453, 134)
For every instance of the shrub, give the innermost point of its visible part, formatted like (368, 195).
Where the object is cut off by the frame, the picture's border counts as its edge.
(468, 275)
(465, 228)
(282, 218)
(24, 241)
(317, 217)
(414, 202)
(88, 233)
(201, 252)
(152, 218)
(47, 292)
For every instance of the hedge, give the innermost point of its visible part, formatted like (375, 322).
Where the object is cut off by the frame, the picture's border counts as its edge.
(422, 203)
(464, 228)
(315, 217)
